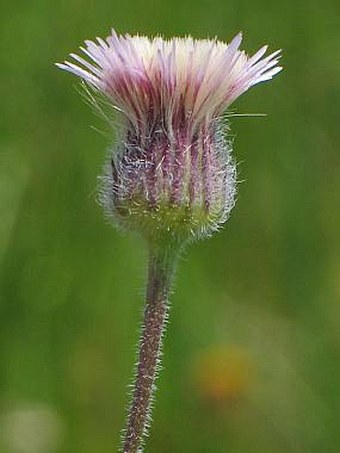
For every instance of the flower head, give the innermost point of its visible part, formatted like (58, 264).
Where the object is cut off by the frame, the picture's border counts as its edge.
(171, 172)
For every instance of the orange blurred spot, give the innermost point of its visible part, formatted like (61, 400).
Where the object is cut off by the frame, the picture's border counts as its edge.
(223, 373)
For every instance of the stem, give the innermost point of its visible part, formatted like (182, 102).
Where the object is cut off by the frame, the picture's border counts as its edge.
(161, 270)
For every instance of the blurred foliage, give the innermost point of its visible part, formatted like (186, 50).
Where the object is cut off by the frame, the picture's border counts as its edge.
(252, 355)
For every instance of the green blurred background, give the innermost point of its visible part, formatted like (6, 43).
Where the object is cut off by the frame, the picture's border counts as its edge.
(252, 354)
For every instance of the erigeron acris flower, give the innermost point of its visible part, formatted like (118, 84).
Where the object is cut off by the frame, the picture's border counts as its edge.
(171, 171)
(170, 175)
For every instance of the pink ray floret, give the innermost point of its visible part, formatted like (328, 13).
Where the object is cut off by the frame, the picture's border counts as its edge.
(157, 76)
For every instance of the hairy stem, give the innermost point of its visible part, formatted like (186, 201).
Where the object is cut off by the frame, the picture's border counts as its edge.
(161, 270)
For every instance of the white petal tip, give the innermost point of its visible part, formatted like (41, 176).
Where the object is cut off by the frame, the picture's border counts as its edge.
(60, 65)
(236, 41)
